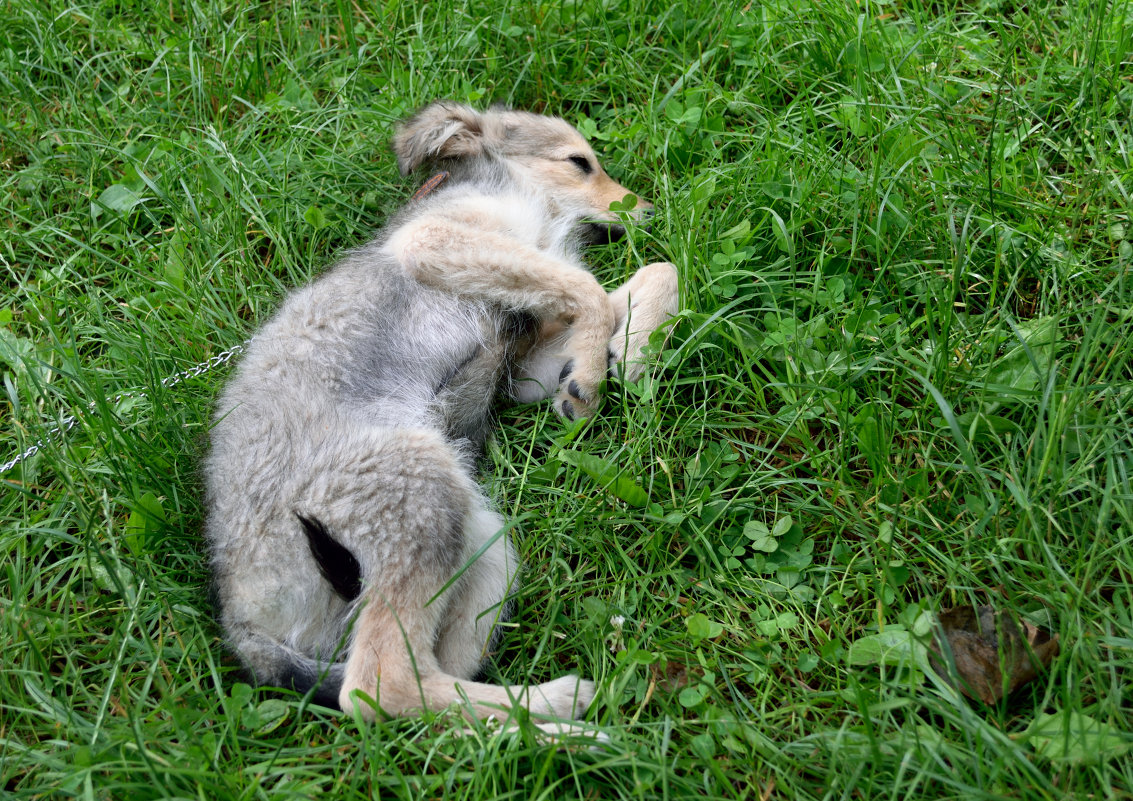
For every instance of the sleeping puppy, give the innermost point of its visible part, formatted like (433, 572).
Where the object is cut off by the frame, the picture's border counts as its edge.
(351, 547)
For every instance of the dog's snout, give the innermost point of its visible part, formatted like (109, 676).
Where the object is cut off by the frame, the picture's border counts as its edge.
(605, 231)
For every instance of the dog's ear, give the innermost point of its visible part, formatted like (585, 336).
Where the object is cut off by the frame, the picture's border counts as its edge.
(440, 130)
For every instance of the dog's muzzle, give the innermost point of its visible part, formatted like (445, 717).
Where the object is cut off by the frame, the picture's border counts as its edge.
(602, 233)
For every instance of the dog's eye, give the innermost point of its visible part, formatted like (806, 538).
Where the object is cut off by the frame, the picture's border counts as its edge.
(582, 163)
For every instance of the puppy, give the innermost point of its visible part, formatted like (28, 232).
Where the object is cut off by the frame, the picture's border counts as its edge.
(351, 547)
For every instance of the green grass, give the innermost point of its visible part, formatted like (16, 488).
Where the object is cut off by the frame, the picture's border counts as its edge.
(904, 234)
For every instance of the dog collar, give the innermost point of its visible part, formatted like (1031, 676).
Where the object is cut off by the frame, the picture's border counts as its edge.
(429, 186)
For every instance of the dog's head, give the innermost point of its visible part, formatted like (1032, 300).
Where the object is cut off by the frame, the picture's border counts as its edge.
(546, 153)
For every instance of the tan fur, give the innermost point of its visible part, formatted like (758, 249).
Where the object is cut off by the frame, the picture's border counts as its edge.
(362, 402)
(473, 249)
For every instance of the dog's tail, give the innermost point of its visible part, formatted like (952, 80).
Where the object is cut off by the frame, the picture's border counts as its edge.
(271, 663)
(274, 663)
(303, 674)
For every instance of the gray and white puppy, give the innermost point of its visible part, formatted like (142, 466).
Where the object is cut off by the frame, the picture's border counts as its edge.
(339, 483)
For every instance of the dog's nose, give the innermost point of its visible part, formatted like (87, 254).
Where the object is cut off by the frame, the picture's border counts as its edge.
(602, 233)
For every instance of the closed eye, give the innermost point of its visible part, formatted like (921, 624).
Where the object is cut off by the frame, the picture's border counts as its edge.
(582, 163)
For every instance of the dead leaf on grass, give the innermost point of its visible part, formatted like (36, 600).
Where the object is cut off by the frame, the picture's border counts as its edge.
(993, 653)
(672, 678)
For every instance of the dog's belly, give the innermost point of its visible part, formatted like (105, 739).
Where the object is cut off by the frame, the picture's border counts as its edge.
(432, 360)
(463, 399)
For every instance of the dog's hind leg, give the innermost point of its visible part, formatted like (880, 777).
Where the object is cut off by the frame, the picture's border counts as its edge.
(393, 660)
(477, 602)
(414, 519)
(641, 305)
(536, 376)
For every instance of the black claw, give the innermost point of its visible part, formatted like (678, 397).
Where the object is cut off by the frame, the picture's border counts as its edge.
(566, 370)
(568, 410)
(575, 390)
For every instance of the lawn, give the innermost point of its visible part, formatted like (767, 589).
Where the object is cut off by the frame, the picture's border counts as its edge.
(902, 383)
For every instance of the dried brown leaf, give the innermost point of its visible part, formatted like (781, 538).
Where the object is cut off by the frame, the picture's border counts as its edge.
(993, 653)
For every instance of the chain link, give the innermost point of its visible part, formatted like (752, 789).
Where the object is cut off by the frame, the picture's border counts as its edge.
(69, 422)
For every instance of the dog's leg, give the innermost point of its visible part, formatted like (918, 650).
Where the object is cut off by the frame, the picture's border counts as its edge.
(641, 305)
(439, 254)
(402, 503)
(537, 374)
(392, 659)
(477, 602)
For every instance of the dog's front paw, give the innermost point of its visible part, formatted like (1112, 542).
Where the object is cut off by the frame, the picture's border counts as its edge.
(578, 395)
(643, 304)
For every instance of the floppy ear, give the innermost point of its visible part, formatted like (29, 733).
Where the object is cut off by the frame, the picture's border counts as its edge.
(441, 130)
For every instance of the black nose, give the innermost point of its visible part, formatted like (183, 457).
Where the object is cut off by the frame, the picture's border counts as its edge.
(597, 233)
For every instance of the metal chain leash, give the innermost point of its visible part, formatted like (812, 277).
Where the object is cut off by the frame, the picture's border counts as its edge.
(70, 421)
(212, 363)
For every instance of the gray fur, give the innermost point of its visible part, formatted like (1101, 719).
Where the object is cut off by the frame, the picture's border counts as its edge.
(362, 404)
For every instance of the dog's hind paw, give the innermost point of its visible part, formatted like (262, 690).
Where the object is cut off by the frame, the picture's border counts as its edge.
(567, 697)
